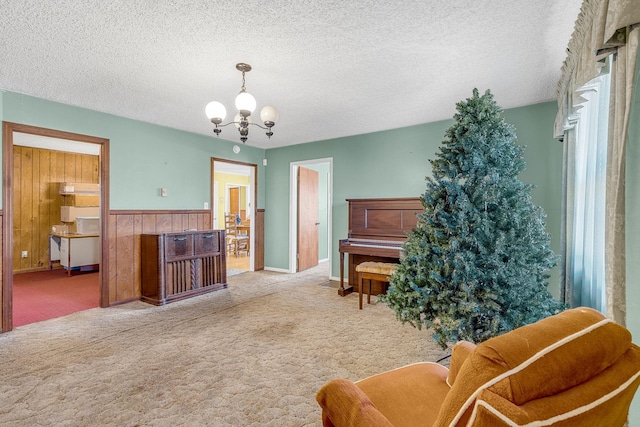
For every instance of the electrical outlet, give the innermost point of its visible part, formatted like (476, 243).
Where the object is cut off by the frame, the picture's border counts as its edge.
(206, 205)
(25, 254)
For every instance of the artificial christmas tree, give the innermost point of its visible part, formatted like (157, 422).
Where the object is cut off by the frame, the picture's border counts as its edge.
(476, 264)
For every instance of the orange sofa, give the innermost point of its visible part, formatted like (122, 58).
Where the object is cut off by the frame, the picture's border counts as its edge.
(574, 368)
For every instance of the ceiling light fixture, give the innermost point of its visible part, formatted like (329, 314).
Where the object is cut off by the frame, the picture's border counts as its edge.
(245, 103)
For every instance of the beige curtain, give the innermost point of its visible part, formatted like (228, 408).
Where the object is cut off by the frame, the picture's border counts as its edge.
(603, 27)
(622, 76)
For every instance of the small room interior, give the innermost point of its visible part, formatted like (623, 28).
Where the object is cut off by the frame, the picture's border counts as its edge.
(56, 227)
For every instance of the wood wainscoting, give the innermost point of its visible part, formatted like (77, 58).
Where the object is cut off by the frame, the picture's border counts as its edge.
(4, 290)
(258, 241)
(124, 241)
(125, 228)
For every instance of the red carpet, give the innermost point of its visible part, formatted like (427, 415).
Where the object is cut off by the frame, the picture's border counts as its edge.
(47, 294)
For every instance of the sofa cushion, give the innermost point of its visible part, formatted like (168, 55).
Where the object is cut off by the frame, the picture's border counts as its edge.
(382, 268)
(560, 355)
(409, 396)
(459, 354)
(602, 401)
(344, 404)
(537, 360)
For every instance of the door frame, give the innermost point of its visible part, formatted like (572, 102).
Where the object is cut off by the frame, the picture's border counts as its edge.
(253, 184)
(8, 129)
(293, 209)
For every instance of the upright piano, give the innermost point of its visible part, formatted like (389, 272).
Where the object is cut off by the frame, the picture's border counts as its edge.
(377, 230)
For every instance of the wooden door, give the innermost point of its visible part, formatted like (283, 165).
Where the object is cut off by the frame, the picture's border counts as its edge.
(307, 218)
(234, 200)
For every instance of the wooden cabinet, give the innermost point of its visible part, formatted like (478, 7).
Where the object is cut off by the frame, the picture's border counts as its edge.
(75, 250)
(182, 265)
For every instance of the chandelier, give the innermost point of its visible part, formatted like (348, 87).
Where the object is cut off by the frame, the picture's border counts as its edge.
(245, 103)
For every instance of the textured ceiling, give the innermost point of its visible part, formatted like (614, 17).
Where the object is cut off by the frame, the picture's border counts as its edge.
(333, 68)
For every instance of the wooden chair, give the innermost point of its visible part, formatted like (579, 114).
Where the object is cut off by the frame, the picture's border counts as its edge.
(381, 271)
(236, 242)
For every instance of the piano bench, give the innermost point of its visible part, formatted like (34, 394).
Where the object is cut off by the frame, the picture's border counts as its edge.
(381, 271)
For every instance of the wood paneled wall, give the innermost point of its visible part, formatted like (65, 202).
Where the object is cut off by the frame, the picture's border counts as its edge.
(37, 174)
(3, 291)
(258, 263)
(125, 228)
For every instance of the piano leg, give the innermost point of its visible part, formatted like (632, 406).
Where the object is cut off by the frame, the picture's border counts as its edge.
(342, 291)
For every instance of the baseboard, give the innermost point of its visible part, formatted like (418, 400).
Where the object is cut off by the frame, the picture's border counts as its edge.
(124, 301)
(34, 270)
(278, 270)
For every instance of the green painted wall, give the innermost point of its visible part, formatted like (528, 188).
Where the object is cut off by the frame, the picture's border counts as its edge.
(395, 163)
(534, 128)
(381, 164)
(144, 157)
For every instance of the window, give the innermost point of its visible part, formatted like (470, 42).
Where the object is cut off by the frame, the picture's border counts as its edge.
(588, 246)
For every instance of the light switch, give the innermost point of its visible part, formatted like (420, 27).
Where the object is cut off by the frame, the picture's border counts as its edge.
(163, 192)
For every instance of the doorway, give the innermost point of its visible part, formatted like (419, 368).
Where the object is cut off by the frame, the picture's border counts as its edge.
(238, 197)
(46, 142)
(324, 167)
(308, 218)
(233, 192)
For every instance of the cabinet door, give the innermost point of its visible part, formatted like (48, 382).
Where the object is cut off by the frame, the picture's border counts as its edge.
(54, 248)
(64, 252)
(209, 271)
(84, 251)
(207, 243)
(180, 277)
(179, 246)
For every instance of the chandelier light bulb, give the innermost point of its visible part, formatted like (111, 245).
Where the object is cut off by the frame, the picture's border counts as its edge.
(245, 102)
(216, 112)
(269, 115)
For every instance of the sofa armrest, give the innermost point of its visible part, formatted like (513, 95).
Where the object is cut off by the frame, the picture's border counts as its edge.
(459, 354)
(345, 405)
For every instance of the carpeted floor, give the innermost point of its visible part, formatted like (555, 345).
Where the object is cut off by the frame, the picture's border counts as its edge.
(251, 355)
(234, 272)
(47, 294)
